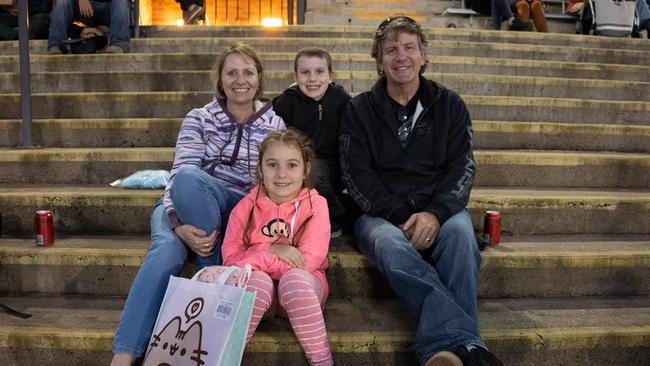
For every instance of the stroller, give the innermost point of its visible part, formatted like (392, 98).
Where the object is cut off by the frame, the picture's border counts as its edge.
(612, 18)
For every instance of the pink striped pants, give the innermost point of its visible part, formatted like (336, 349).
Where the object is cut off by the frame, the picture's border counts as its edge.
(301, 297)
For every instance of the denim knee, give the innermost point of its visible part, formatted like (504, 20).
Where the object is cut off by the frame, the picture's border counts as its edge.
(382, 242)
(457, 237)
(186, 175)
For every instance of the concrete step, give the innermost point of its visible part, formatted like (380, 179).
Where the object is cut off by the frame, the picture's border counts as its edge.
(347, 31)
(342, 62)
(501, 168)
(603, 265)
(366, 32)
(561, 136)
(337, 45)
(177, 104)
(156, 132)
(355, 81)
(541, 211)
(74, 330)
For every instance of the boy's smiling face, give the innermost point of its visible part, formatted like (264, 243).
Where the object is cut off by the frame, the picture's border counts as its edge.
(312, 76)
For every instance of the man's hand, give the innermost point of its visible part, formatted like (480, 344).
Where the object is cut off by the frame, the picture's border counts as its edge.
(85, 8)
(421, 229)
(289, 254)
(198, 240)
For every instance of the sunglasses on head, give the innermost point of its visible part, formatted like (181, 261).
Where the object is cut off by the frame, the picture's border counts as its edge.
(394, 20)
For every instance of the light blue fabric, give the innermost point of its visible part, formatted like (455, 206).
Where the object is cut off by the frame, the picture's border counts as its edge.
(439, 290)
(199, 200)
(146, 179)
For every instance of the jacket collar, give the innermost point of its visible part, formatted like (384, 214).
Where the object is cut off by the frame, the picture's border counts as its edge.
(431, 92)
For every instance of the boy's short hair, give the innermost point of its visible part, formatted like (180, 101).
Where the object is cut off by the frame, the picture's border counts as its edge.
(313, 52)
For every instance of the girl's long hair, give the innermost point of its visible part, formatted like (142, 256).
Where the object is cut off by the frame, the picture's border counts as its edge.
(297, 139)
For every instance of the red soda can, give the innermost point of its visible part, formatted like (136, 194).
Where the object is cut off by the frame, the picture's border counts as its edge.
(492, 227)
(44, 228)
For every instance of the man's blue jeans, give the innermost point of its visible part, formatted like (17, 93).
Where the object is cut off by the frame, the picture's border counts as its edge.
(114, 14)
(500, 13)
(200, 200)
(440, 290)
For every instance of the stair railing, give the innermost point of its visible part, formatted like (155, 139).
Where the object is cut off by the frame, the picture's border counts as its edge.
(25, 76)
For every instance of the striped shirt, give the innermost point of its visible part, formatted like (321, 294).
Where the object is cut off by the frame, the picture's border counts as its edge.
(211, 139)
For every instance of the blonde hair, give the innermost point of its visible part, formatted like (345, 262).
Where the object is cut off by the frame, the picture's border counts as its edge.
(243, 50)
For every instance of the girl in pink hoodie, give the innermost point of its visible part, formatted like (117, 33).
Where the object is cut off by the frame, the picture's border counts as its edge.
(281, 228)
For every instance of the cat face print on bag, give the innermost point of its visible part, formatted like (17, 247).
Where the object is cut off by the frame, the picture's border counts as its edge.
(173, 346)
(276, 229)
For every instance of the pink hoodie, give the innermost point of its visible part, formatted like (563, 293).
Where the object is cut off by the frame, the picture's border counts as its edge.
(271, 220)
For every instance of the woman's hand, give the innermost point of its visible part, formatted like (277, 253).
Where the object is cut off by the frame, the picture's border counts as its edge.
(288, 253)
(198, 240)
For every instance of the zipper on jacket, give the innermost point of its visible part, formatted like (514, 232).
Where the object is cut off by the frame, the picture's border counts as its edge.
(320, 112)
(414, 123)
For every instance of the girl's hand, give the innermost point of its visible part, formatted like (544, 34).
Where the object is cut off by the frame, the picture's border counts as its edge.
(289, 254)
(198, 240)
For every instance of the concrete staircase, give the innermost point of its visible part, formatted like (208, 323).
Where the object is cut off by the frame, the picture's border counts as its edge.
(562, 127)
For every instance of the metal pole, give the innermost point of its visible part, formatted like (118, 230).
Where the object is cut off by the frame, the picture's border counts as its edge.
(136, 19)
(25, 77)
(290, 12)
(301, 11)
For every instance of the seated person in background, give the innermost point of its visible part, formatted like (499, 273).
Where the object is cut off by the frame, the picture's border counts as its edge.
(39, 20)
(499, 10)
(193, 10)
(524, 9)
(113, 13)
(643, 15)
(574, 7)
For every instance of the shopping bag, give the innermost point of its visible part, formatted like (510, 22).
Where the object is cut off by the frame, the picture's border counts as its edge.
(200, 324)
(614, 18)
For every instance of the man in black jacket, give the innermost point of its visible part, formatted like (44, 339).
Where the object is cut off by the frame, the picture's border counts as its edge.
(406, 159)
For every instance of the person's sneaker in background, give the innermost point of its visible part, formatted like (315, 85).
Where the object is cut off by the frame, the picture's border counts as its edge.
(113, 49)
(56, 50)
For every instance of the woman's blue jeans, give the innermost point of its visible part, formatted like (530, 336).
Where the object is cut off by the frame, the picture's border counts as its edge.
(200, 200)
(439, 290)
